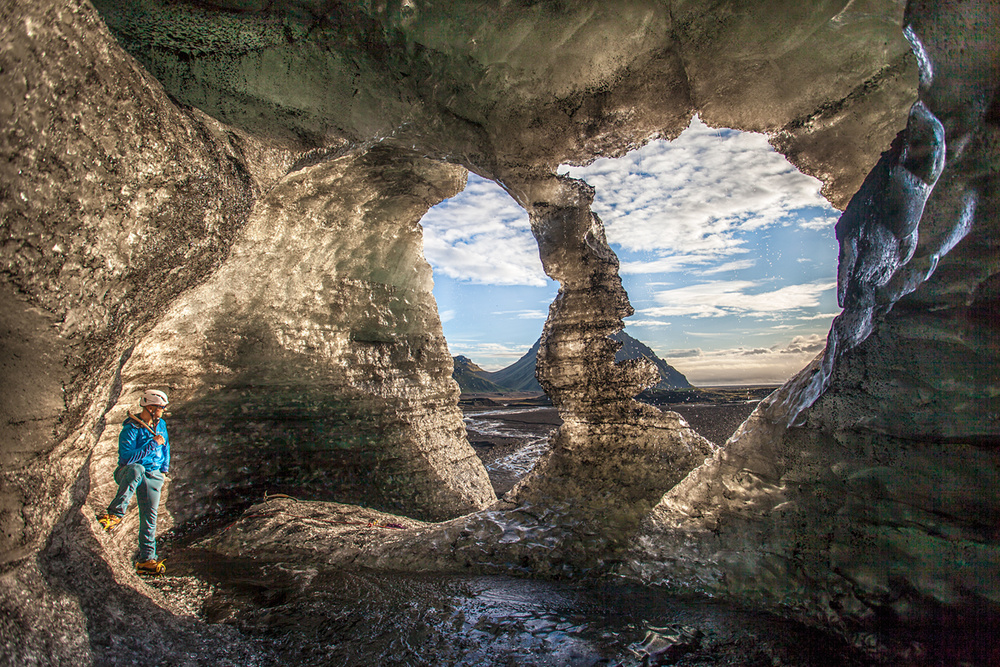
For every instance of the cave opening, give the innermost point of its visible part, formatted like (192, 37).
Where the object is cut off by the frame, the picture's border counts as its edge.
(718, 235)
(492, 293)
(726, 252)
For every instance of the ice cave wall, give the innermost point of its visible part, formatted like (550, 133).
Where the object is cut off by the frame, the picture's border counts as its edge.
(308, 363)
(147, 242)
(114, 202)
(510, 95)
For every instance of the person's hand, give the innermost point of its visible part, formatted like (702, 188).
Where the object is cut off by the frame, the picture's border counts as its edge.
(158, 439)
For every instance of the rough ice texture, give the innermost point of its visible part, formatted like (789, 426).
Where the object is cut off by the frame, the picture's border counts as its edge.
(312, 361)
(114, 202)
(241, 229)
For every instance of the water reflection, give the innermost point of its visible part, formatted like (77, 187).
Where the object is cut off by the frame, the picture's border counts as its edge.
(510, 440)
(307, 617)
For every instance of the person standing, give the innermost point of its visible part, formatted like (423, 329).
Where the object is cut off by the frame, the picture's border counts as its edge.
(143, 462)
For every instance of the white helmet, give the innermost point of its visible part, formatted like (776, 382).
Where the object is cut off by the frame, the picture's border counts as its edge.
(153, 397)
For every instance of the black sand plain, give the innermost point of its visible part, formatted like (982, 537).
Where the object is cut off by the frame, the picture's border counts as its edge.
(714, 412)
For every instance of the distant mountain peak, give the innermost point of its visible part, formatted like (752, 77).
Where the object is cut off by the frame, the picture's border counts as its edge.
(520, 376)
(670, 377)
(473, 379)
(468, 364)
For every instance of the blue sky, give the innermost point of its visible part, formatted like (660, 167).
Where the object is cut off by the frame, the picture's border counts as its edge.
(727, 253)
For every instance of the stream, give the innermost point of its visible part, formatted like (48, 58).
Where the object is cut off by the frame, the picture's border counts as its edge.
(509, 441)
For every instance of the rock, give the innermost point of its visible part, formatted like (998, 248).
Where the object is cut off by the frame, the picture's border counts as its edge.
(114, 202)
(665, 646)
(520, 376)
(471, 378)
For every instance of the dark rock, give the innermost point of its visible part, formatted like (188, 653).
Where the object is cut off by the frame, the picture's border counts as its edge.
(670, 377)
(520, 376)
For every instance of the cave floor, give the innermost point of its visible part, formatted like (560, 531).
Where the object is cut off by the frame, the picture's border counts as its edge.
(304, 615)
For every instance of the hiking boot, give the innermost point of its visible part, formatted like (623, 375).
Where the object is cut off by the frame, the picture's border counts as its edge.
(109, 521)
(150, 567)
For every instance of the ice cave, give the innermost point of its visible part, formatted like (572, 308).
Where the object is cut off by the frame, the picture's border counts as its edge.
(222, 198)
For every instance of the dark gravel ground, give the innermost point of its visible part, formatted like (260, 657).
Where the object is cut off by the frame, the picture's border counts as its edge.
(514, 428)
(307, 616)
(715, 421)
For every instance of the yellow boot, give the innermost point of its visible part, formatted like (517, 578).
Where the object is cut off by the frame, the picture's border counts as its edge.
(109, 521)
(150, 567)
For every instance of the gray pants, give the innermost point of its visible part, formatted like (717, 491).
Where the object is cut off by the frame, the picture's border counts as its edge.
(145, 485)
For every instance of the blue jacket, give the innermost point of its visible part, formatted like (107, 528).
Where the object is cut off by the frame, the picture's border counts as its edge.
(136, 445)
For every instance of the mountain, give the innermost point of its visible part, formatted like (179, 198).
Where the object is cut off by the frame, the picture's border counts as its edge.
(670, 377)
(473, 379)
(520, 376)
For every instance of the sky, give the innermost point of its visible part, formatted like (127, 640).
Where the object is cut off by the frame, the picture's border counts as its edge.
(727, 253)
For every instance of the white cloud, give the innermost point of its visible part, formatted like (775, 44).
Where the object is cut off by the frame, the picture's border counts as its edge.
(685, 202)
(676, 263)
(812, 344)
(682, 354)
(820, 222)
(525, 314)
(446, 315)
(482, 236)
(688, 200)
(729, 266)
(646, 323)
(719, 298)
(746, 365)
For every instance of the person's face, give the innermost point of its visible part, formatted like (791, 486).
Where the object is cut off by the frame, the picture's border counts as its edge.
(156, 411)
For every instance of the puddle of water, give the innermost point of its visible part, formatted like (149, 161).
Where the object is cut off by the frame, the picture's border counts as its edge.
(310, 616)
(361, 618)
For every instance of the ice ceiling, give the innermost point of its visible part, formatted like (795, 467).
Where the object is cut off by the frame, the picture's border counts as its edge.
(223, 199)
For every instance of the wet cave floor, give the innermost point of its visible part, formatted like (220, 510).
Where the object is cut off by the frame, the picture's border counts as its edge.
(299, 614)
